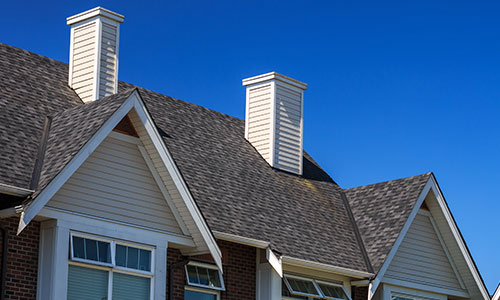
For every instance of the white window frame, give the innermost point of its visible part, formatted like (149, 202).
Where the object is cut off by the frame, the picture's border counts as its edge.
(316, 283)
(332, 284)
(202, 290)
(208, 266)
(113, 268)
(319, 295)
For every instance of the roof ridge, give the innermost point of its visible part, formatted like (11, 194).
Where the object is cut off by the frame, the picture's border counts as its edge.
(387, 181)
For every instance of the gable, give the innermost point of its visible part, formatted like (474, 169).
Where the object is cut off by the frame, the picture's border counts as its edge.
(422, 257)
(115, 183)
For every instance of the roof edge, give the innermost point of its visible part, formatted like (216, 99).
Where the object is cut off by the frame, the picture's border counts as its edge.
(326, 267)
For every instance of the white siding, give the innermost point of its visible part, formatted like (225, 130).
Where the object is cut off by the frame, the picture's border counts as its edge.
(422, 259)
(83, 60)
(115, 183)
(288, 136)
(259, 122)
(108, 60)
(174, 194)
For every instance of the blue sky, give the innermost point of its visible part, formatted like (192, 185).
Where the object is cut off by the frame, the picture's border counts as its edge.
(395, 88)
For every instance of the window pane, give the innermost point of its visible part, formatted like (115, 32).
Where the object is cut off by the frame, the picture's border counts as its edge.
(121, 256)
(144, 260)
(78, 247)
(132, 258)
(91, 249)
(332, 291)
(104, 252)
(194, 295)
(286, 293)
(129, 287)
(203, 275)
(86, 283)
(214, 277)
(302, 286)
(193, 274)
(394, 297)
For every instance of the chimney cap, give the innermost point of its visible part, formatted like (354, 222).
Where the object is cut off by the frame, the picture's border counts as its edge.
(94, 12)
(276, 76)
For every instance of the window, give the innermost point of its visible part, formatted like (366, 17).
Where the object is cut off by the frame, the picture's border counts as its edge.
(204, 282)
(204, 275)
(306, 288)
(102, 268)
(191, 293)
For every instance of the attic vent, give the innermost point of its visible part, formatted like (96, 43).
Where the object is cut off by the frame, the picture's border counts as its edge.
(93, 57)
(273, 123)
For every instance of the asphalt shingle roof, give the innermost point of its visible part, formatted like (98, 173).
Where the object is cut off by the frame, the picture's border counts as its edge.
(381, 210)
(304, 217)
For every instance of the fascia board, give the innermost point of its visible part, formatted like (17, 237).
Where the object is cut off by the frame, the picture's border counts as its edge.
(325, 267)
(374, 285)
(459, 239)
(169, 163)
(49, 191)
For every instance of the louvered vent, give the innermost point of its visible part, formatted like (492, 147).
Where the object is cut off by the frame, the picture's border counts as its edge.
(93, 59)
(273, 123)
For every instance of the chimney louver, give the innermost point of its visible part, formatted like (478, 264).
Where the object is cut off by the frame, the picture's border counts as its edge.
(93, 57)
(273, 122)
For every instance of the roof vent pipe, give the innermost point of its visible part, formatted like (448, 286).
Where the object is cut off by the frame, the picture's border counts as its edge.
(93, 55)
(273, 122)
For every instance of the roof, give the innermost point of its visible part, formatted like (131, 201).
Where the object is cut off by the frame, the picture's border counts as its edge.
(381, 211)
(305, 217)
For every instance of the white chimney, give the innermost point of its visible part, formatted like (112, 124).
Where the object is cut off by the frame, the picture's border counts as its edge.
(93, 55)
(273, 122)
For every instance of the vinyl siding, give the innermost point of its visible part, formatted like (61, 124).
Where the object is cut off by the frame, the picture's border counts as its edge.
(422, 259)
(259, 119)
(288, 142)
(108, 60)
(115, 183)
(83, 60)
(174, 194)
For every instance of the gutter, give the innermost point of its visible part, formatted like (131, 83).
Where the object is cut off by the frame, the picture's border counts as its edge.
(325, 267)
(14, 190)
(241, 240)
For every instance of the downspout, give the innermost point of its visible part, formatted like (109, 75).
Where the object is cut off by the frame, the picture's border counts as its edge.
(171, 269)
(4, 263)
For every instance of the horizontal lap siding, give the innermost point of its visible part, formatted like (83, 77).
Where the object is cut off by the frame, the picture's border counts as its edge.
(84, 40)
(115, 183)
(259, 119)
(421, 257)
(175, 195)
(108, 60)
(288, 141)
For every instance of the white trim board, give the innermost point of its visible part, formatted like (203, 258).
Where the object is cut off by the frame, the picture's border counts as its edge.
(287, 260)
(133, 102)
(431, 185)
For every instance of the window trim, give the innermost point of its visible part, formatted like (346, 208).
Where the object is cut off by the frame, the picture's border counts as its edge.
(112, 268)
(208, 266)
(316, 283)
(319, 295)
(202, 290)
(332, 284)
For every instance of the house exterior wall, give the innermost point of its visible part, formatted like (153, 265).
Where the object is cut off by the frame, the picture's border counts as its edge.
(422, 259)
(239, 266)
(22, 259)
(115, 183)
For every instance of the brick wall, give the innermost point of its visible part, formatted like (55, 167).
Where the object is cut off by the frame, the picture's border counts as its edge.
(239, 271)
(22, 259)
(359, 293)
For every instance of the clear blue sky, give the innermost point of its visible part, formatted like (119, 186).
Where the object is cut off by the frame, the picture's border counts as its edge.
(395, 89)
